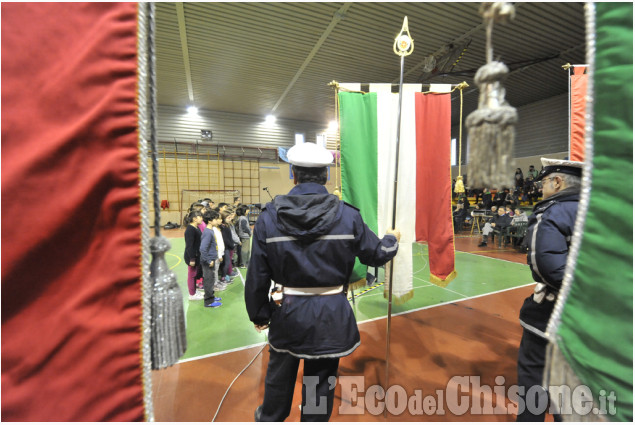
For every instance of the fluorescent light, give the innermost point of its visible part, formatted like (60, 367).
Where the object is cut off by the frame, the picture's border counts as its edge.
(192, 110)
(270, 119)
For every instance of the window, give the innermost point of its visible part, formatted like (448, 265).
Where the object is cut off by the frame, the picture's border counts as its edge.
(453, 152)
(320, 139)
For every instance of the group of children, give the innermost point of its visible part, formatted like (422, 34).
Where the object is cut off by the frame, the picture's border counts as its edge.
(211, 239)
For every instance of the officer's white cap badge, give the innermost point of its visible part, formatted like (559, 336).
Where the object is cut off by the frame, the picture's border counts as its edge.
(309, 155)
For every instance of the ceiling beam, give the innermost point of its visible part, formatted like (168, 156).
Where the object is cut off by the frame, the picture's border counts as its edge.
(337, 16)
(456, 41)
(180, 14)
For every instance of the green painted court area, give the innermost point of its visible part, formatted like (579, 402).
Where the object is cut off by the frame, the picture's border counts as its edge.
(228, 328)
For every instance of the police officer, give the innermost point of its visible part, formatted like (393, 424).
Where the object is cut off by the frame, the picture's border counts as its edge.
(548, 237)
(306, 242)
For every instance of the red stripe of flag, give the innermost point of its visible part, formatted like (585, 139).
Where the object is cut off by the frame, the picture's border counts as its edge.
(434, 203)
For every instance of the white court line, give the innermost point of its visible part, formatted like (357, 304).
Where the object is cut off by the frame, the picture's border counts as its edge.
(246, 347)
(432, 284)
(491, 258)
(447, 302)
(362, 322)
(381, 293)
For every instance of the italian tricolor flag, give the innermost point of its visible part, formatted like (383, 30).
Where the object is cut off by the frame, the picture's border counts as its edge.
(368, 130)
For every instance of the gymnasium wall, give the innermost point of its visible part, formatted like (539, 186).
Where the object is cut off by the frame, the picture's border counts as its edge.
(542, 131)
(242, 154)
(185, 179)
(232, 130)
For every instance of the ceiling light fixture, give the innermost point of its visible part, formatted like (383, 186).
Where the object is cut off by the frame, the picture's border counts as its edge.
(332, 128)
(270, 119)
(192, 110)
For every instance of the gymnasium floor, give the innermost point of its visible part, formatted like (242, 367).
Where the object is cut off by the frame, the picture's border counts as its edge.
(468, 329)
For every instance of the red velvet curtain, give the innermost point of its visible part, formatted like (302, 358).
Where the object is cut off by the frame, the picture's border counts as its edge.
(71, 239)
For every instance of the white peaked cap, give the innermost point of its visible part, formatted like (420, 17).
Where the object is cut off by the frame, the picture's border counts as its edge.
(547, 162)
(309, 155)
(551, 165)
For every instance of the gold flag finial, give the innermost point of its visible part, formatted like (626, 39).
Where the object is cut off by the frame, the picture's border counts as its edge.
(404, 44)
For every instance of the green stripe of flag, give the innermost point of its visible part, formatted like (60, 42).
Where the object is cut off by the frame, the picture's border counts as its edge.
(358, 141)
(358, 136)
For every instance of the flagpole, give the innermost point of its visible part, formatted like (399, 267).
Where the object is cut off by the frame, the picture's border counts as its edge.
(403, 46)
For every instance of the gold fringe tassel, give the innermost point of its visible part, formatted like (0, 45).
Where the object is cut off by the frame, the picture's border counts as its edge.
(402, 299)
(356, 285)
(443, 282)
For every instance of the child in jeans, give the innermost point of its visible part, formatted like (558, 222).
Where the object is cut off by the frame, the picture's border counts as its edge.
(209, 259)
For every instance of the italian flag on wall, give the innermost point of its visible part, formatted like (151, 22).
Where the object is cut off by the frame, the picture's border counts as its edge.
(368, 124)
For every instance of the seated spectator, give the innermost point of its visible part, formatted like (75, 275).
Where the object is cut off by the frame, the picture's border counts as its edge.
(495, 224)
(463, 200)
(480, 209)
(509, 198)
(459, 215)
(476, 193)
(519, 217)
(530, 190)
(500, 198)
(509, 210)
(487, 198)
(492, 211)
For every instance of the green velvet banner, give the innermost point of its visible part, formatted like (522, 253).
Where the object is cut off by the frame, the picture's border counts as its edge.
(596, 333)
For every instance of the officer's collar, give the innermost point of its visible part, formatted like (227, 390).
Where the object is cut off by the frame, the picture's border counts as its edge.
(567, 194)
(308, 189)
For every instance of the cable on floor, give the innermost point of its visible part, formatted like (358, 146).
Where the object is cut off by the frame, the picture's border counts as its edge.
(237, 376)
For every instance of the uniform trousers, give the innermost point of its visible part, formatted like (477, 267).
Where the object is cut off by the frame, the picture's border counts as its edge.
(282, 373)
(531, 365)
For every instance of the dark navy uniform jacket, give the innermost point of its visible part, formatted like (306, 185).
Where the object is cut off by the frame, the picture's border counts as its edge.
(310, 238)
(549, 235)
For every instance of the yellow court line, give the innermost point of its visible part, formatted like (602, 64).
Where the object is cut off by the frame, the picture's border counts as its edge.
(179, 258)
(498, 250)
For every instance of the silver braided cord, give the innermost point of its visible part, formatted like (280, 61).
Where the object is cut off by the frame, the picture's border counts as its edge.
(146, 287)
(154, 144)
(558, 371)
(167, 327)
(585, 193)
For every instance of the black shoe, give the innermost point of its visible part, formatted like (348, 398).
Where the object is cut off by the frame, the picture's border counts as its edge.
(483, 244)
(258, 413)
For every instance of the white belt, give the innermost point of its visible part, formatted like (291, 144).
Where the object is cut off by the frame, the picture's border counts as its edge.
(541, 293)
(320, 290)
